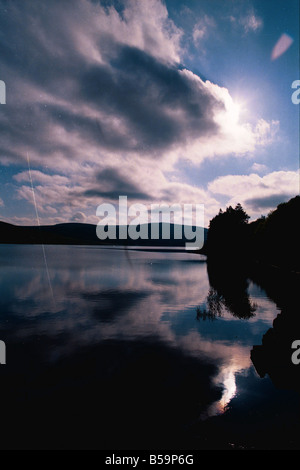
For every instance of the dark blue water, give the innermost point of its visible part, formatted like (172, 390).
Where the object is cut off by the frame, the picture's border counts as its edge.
(110, 348)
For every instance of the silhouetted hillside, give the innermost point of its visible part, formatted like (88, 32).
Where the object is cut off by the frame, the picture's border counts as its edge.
(85, 234)
(275, 239)
(271, 240)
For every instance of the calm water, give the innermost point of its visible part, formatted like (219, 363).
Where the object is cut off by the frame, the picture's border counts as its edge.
(131, 349)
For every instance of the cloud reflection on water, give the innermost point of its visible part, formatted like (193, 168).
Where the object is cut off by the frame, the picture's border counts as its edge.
(100, 296)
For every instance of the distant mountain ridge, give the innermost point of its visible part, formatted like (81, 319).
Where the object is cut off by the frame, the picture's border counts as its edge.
(85, 234)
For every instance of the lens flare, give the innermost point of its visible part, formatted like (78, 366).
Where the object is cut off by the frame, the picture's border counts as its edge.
(282, 45)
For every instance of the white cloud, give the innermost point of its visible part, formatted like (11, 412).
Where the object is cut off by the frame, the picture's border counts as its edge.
(259, 168)
(39, 176)
(258, 194)
(249, 22)
(252, 23)
(202, 28)
(234, 136)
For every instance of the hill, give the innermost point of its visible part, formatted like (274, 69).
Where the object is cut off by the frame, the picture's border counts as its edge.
(85, 234)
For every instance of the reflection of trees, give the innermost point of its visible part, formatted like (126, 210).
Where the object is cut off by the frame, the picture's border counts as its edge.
(226, 250)
(214, 302)
(214, 307)
(273, 355)
(229, 285)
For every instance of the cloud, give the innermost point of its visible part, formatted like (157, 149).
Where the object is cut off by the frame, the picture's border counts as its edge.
(267, 202)
(251, 23)
(40, 177)
(256, 192)
(202, 29)
(90, 82)
(112, 184)
(248, 21)
(266, 131)
(259, 168)
(156, 105)
(78, 217)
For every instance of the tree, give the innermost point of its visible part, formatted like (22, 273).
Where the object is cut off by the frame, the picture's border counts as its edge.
(227, 233)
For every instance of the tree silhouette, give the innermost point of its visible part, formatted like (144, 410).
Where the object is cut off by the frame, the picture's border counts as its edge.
(275, 238)
(227, 234)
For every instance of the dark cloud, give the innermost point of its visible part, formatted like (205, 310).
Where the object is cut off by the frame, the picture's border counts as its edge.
(78, 217)
(267, 202)
(92, 130)
(137, 103)
(36, 41)
(111, 184)
(159, 105)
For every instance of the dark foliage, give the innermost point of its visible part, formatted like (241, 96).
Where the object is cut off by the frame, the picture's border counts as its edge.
(271, 240)
(227, 234)
(275, 238)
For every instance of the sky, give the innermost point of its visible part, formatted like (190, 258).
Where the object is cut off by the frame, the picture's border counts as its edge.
(174, 102)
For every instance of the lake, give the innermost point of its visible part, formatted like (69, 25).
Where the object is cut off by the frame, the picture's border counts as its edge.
(128, 349)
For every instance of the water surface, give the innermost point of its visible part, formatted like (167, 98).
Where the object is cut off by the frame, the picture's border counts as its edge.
(110, 348)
